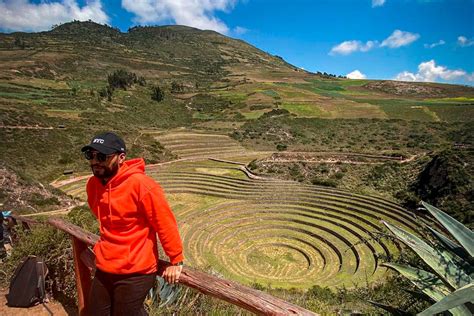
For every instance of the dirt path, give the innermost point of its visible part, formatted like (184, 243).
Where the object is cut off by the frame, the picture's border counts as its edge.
(26, 127)
(334, 157)
(55, 212)
(39, 310)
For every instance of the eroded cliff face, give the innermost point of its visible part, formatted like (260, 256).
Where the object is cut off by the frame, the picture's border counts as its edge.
(22, 195)
(447, 182)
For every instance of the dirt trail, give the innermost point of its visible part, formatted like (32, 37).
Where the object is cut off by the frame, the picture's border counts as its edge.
(55, 212)
(39, 310)
(334, 157)
(26, 127)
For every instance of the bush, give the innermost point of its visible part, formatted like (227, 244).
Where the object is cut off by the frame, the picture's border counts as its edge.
(324, 182)
(106, 92)
(177, 87)
(157, 94)
(121, 79)
(281, 147)
(253, 165)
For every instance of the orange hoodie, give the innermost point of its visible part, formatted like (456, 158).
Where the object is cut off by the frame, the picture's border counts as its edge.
(132, 209)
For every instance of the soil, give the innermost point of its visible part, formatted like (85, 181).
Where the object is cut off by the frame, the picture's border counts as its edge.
(39, 310)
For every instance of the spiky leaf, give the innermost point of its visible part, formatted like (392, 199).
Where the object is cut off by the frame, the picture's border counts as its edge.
(450, 245)
(391, 309)
(163, 292)
(442, 262)
(168, 292)
(460, 232)
(454, 300)
(426, 281)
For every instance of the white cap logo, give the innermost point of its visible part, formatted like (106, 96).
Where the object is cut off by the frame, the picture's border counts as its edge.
(98, 141)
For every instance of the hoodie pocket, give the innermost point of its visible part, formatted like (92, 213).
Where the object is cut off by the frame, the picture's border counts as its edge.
(116, 255)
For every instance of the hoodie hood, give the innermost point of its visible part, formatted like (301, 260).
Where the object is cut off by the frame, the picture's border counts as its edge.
(128, 168)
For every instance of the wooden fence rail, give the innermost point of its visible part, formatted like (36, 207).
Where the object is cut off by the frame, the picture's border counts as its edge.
(250, 299)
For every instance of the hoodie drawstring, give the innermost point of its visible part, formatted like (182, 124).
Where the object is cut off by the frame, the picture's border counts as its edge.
(110, 204)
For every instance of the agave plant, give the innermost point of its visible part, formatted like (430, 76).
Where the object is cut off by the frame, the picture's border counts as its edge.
(450, 283)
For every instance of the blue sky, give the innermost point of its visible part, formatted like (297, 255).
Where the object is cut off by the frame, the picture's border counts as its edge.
(420, 40)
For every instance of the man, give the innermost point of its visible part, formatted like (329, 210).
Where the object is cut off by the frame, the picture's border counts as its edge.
(131, 209)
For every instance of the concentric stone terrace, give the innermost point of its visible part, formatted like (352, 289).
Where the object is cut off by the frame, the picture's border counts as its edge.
(283, 233)
(200, 145)
(274, 232)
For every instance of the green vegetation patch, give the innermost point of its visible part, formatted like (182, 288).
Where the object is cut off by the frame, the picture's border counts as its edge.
(304, 110)
(252, 115)
(271, 93)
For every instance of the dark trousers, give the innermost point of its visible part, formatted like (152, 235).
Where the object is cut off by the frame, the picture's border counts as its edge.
(119, 294)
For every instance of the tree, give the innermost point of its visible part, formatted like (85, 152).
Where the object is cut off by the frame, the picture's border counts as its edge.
(121, 79)
(157, 94)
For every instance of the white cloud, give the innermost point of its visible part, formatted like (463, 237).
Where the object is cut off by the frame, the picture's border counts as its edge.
(239, 30)
(399, 38)
(356, 74)
(406, 76)
(21, 15)
(377, 3)
(464, 42)
(348, 47)
(432, 45)
(428, 71)
(196, 13)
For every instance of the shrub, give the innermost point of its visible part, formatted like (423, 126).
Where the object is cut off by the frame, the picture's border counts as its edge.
(106, 92)
(253, 165)
(324, 182)
(177, 87)
(157, 94)
(281, 147)
(121, 79)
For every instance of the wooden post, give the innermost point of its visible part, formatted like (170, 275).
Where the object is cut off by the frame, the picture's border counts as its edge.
(83, 275)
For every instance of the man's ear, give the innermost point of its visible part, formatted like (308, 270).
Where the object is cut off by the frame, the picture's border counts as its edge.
(121, 157)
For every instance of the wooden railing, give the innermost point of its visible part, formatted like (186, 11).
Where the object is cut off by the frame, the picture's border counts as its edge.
(250, 299)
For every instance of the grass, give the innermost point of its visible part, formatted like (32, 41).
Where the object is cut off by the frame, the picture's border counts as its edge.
(67, 114)
(255, 114)
(304, 110)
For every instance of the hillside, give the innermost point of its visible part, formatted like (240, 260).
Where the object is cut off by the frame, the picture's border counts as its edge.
(55, 93)
(87, 51)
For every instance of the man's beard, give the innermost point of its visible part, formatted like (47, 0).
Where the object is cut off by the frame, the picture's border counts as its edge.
(105, 172)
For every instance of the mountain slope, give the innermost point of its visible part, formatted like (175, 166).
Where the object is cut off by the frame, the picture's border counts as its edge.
(55, 92)
(86, 49)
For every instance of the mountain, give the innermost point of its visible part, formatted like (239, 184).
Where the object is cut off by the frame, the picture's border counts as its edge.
(85, 50)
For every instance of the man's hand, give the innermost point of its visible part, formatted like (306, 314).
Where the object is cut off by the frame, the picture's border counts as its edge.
(172, 273)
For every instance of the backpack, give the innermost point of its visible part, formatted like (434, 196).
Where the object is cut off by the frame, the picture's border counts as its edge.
(27, 283)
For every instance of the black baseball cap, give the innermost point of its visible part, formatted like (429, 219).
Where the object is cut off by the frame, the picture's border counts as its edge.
(106, 143)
